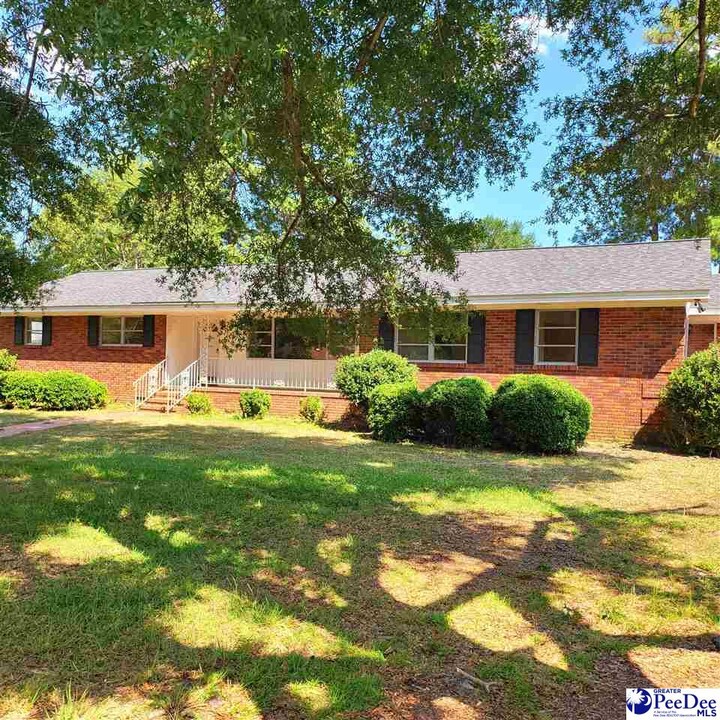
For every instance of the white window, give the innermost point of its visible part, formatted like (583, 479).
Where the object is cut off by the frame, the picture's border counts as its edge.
(556, 334)
(121, 330)
(33, 331)
(420, 345)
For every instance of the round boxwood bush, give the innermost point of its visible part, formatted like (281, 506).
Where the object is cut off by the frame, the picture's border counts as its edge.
(56, 390)
(455, 412)
(254, 404)
(540, 414)
(356, 376)
(198, 404)
(8, 361)
(312, 409)
(692, 401)
(394, 411)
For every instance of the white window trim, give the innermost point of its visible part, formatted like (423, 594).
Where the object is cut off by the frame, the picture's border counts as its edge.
(122, 342)
(430, 344)
(536, 358)
(27, 331)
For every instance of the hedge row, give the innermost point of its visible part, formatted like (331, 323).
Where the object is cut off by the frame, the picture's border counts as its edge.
(55, 390)
(530, 413)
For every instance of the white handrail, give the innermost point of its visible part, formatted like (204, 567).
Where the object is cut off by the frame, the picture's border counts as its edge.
(179, 387)
(150, 383)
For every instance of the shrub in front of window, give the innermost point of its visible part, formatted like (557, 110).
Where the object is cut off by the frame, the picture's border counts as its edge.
(455, 412)
(254, 404)
(198, 404)
(356, 376)
(312, 409)
(56, 390)
(692, 401)
(394, 411)
(8, 361)
(540, 414)
(63, 390)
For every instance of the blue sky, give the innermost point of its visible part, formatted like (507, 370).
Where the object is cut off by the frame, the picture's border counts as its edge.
(521, 202)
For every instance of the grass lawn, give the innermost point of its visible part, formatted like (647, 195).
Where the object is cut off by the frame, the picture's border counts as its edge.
(182, 568)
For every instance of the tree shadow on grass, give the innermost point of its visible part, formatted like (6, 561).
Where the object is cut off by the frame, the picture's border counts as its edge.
(313, 572)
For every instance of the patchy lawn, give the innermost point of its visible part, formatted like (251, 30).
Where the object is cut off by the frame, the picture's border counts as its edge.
(17, 417)
(187, 568)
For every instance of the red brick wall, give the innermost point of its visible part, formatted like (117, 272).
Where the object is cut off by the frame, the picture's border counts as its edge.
(285, 403)
(638, 348)
(701, 336)
(116, 366)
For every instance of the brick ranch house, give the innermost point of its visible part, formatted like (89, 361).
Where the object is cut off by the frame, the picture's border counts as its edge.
(613, 320)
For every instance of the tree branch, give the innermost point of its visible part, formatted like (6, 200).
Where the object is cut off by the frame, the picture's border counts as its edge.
(370, 43)
(31, 77)
(702, 57)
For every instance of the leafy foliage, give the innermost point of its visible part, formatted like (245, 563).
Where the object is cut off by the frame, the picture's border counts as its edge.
(55, 390)
(394, 412)
(312, 409)
(356, 376)
(198, 404)
(490, 233)
(8, 361)
(692, 399)
(254, 404)
(540, 414)
(455, 412)
(637, 155)
(92, 232)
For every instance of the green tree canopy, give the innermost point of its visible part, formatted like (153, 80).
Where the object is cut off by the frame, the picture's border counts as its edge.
(490, 233)
(93, 231)
(638, 153)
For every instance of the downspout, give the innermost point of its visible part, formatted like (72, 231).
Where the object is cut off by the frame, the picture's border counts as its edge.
(687, 330)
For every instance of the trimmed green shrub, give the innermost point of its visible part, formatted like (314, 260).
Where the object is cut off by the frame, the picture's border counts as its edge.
(356, 376)
(3, 375)
(394, 411)
(198, 404)
(455, 412)
(312, 409)
(692, 401)
(56, 390)
(64, 390)
(254, 404)
(23, 389)
(540, 414)
(8, 361)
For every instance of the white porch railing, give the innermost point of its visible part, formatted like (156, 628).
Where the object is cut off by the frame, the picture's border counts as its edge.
(148, 384)
(273, 373)
(179, 387)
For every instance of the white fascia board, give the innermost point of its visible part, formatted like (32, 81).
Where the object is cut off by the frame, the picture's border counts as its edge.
(604, 299)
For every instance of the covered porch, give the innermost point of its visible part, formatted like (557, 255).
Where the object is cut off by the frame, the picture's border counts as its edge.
(277, 357)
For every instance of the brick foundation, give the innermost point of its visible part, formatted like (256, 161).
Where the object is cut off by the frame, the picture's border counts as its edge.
(285, 403)
(118, 367)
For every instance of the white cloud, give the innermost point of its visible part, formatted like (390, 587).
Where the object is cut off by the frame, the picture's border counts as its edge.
(543, 36)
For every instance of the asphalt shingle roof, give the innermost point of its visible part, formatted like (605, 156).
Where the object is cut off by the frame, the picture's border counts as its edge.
(679, 266)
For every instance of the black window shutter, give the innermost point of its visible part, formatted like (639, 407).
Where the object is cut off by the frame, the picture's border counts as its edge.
(19, 330)
(47, 330)
(476, 338)
(589, 326)
(386, 334)
(524, 337)
(93, 330)
(148, 330)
